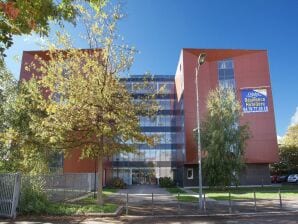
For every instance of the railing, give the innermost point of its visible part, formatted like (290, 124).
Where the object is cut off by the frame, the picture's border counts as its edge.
(185, 204)
(63, 187)
(9, 194)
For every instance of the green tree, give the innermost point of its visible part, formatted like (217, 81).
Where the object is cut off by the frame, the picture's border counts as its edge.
(291, 137)
(18, 17)
(20, 148)
(288, 153)
(223, 138)
(88, 107)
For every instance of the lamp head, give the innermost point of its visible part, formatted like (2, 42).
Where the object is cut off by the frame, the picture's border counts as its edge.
(201, 58)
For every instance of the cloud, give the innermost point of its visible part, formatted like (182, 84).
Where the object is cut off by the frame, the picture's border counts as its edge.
(294, 119)
(279, 139)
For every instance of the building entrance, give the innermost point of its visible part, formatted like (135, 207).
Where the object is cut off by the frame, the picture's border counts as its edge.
(143, 176)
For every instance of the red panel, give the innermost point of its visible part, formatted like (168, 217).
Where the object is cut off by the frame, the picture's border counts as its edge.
(251, 70)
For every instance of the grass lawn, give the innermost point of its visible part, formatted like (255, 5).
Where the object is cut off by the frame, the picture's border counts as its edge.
(183, 197)
(287, 192)
(175, 190)
(71, 208)
(86, 205)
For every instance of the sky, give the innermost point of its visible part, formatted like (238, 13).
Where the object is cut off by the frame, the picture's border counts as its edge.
(159, 29)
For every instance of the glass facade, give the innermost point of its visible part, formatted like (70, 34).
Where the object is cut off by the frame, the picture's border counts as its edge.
(226, 73)
(149, 163)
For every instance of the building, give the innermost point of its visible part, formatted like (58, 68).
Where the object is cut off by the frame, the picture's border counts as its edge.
(176, 154)
(248, 72)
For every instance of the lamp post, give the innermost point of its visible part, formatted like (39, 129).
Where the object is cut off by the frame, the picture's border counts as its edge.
(201, 60)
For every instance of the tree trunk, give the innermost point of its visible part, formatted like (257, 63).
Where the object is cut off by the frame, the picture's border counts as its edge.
(100, 172)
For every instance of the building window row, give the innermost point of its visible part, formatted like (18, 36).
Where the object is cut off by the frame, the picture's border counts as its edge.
(160, 120)
(148, 155)
(164, 104)
(167, 137)
(150, 87)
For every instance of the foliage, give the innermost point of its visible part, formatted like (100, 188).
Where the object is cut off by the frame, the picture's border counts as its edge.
(223, 138)
(288, 162)
(291, 137)
(117, 182)
(87, 105)
(288, 153)
(18, 17)
(21, 148)
(166, 182)
(33, 199)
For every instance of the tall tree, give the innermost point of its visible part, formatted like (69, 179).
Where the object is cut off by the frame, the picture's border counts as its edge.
(88, 107)
(18, 17)
(223, 138)
(288, 153)
(20, 148)
(291, 137)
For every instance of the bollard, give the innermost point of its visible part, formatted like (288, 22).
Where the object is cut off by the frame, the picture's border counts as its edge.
(255, 201)
(152, 206)
(178, 203)
(204, 203)
(230, 203)
(280, 201)
(126, 206)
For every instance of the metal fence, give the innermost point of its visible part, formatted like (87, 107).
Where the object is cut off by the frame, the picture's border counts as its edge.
(9, 194)
(179, 204)
(63, 187)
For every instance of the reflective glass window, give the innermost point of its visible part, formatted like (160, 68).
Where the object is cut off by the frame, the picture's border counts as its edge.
(226, 73)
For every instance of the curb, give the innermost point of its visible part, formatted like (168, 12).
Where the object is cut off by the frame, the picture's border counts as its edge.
(250, 214)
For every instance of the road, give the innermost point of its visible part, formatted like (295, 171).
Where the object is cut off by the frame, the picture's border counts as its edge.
(281, 218)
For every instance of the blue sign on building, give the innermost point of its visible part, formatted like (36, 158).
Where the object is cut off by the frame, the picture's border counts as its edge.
(254, 100)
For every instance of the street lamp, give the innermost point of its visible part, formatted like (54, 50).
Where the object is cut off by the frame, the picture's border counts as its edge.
(201, 60)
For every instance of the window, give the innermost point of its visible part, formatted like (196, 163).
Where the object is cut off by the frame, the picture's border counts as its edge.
(190, 173)
(226, 73)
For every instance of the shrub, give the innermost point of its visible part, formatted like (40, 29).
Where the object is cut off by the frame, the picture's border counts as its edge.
(117, 182)
(33, 199)
(166, 182)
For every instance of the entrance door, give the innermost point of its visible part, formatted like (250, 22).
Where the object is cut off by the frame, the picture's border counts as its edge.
(143, 176)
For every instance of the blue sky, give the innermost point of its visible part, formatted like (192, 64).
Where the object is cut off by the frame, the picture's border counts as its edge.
(160, 28)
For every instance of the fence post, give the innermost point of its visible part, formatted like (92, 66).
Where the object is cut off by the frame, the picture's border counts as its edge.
(178, 203)
(126, 206)
(16, 192)
(64, 187)
(204, 202)
(255, 201)
(280, 201)
(230, 203)
(152, 205)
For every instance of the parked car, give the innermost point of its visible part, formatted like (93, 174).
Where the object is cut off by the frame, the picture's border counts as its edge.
(281, 179)
(293, 178)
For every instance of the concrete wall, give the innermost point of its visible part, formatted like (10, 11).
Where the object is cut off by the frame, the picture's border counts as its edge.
(255, 174)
